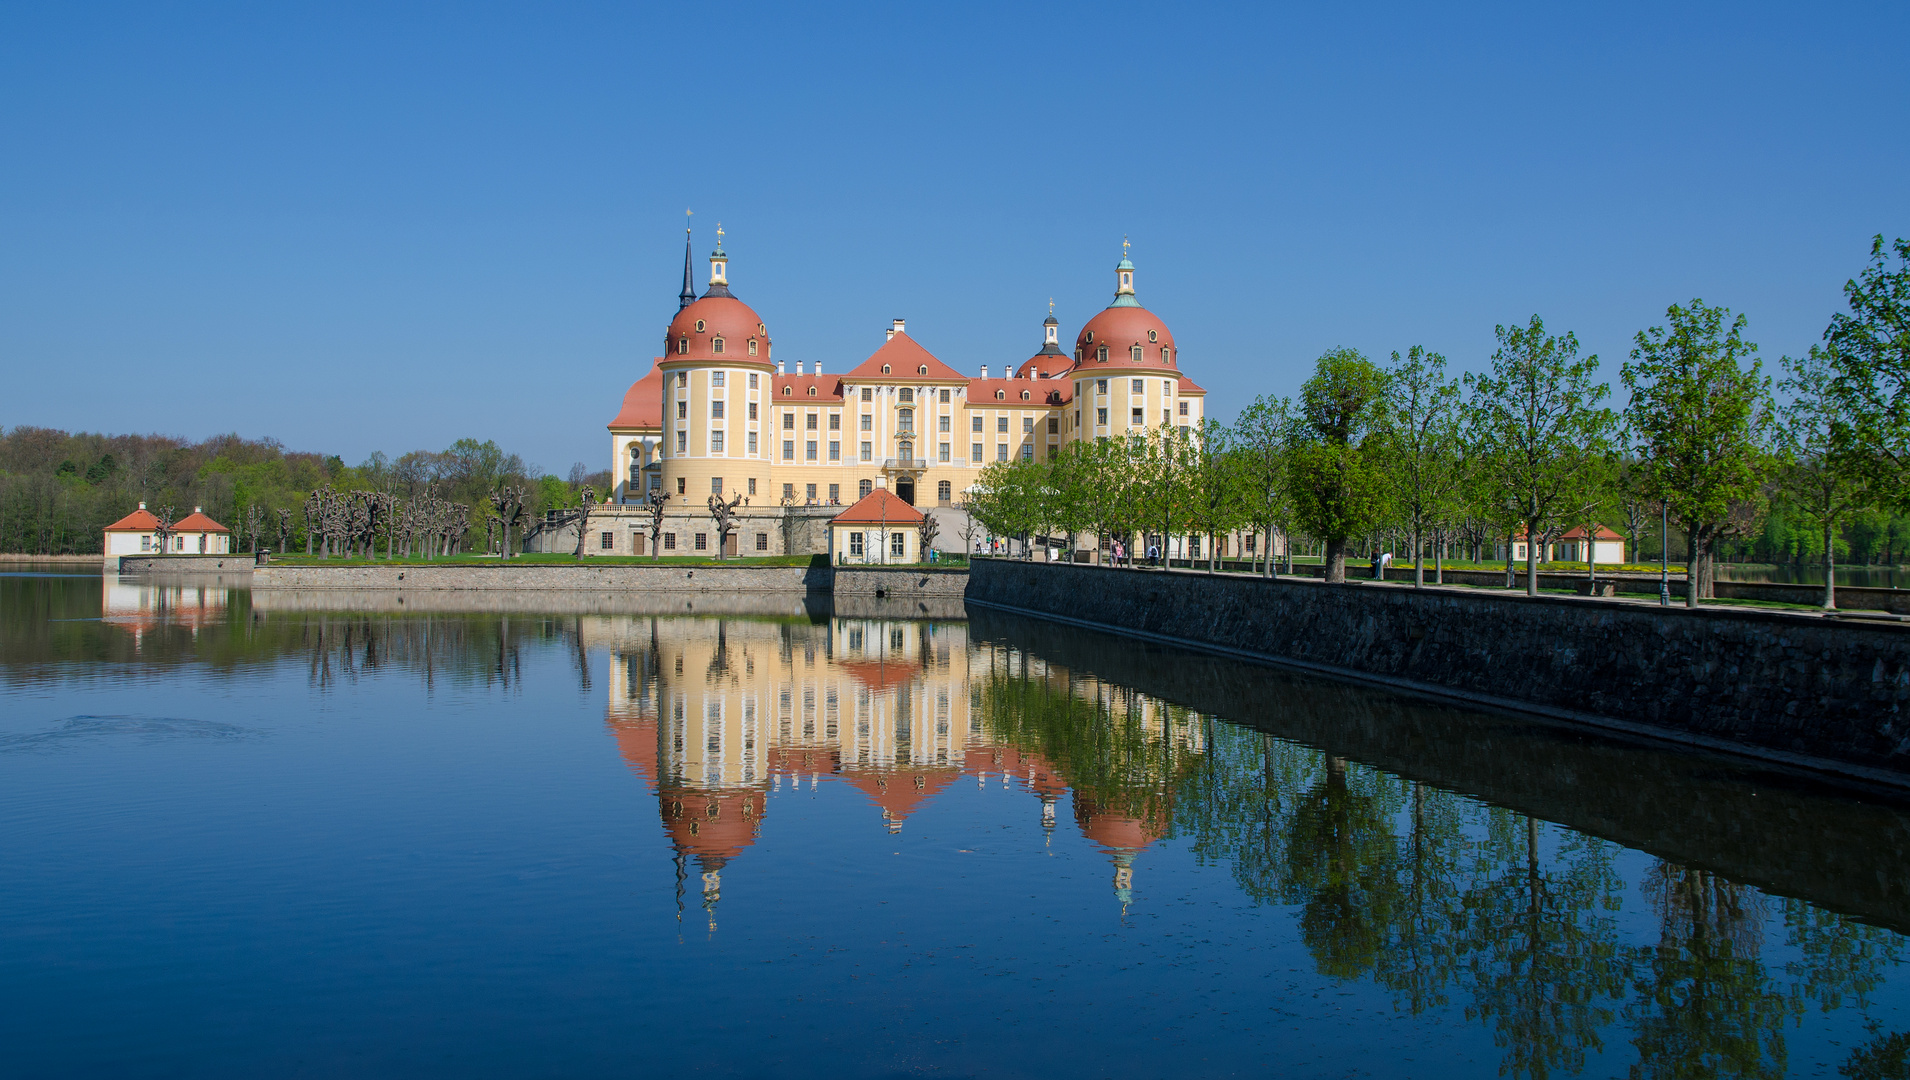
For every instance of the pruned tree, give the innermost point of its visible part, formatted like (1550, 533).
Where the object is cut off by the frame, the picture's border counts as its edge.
(254, 522)
(285, 527)
(654, 503)
(927, 531)
(166, 517)
(724, 516)
(588, 497)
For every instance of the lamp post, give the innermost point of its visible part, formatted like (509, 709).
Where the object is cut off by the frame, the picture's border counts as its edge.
(1664, 555)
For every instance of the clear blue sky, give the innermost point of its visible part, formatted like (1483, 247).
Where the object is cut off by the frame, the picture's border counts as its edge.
(389, 226)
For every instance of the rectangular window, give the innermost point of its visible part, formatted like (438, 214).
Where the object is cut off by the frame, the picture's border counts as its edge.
(762, 539)
(702, 541)
(810, 422)
(975, 453)
(669, 541)
(835, 493)
(835, 450)
(789, 492)
(809, 450)
(752, 380)
(1167, 387)
(680, 481)
(835, 421)
(1100, 386)
(607, 541)
(789, 421)
(898, 544)
(944, 454)
(751, 440)
(941, 422)
(1001, 451)
(716, 378)
(975, 423)
(945, 397)
(752, 406)
(683, 379)
(855, 543)
(789, 449)
(145, 543)
(682, 442)
(868, 451)
(1001, 424)
(1027, 425)
(809, 492)
(1054, 425)
(716, 442)
(1027, 451)
(1137, 416)
(682, 410)
(716, 410)
(868, 422)
(1140, 386)
(1183, 407)
(1167, 416)
(866, 395)
(752, 485)
(716, 485)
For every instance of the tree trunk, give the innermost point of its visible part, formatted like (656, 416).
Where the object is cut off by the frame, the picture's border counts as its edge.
(1419, 562)
(1531, 562)
(1692, 559)
(1439, 556)
(1336, 559)
(1830, 570)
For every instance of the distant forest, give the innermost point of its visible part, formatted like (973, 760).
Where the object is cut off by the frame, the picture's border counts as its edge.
(59, 490)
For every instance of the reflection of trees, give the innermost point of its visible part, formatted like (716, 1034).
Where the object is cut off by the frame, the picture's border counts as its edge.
(1424, 949)
(1342, 865)
(1543, 957)
(1843, 958)
(1884, 1057)
(1705, 1006)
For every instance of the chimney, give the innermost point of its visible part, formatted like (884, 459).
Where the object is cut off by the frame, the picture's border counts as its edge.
(799, 367)
(142, 506)
(897, 329)
(779, 368)
(984, 371)
(197, 509)
(818, 367)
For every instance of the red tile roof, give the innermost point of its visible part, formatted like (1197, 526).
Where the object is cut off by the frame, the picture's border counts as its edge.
(878, 507)
(643, 402)
(906, 360)
(796, 387)
(140, 520)
(197, 522)
(1604, 533)
(1041, 392)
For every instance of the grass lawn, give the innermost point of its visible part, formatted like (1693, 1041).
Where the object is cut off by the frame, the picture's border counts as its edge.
(557, 560)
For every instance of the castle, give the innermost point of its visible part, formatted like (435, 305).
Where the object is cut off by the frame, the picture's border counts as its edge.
(716, 415)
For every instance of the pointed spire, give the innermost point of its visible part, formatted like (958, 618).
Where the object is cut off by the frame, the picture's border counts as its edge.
(688, 295)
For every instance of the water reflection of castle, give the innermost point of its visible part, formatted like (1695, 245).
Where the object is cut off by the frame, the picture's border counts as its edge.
(718, 713)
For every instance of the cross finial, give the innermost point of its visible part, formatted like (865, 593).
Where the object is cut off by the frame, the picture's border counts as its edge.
(1124, 245)
(719, 234)
(1051, 305)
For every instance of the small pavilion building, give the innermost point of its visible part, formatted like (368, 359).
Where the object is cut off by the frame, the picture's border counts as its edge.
(138, 533)
(879, 528)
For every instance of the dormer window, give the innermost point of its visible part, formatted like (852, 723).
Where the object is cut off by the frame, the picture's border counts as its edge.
(812, 391)
(761, 329)
(885, 369)
(752, 346)
(786, 391)
(716, 345)
(1024, 395)
(921, 369)
(1077, 354)
(1000, 394)
(682, 346)
(1164, 354)
(699, 326)
(1153, 335)
(1133, 353)
(1090, 335)
(1102, 354)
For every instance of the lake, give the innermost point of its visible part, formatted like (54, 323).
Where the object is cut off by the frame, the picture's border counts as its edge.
(298, 835)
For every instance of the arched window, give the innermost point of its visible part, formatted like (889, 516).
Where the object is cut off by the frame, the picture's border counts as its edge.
(786, 391)
(752, 346)
(699, 326)
(1164, 354)
(812, 391)
(885, 369)
(921, 369)
(761, 329)
(1090, 335)
(905, 420)
(716, 345)
(906, 394)
(1024, 395)
(999, 394)
(943, 491)
(863, 487)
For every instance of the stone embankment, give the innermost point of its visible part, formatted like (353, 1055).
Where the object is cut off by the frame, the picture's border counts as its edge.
(185, 564)
(1801, 689)
(535, 577)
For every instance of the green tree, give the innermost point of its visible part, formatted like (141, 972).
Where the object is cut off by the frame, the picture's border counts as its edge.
(1216, 504)
(1869, 348)
(1336, 468)
(1262, 434)
(1541, 431)
(1698, 413)
(1162, 463)
(1819, 473)
(1423, 407)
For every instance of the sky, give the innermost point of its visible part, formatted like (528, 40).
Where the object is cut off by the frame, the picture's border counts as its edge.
(390, 226)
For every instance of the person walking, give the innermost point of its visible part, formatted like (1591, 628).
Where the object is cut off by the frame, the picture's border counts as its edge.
(1153, 555)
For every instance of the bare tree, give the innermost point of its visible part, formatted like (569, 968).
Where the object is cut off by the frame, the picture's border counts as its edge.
(164, 529)
(583, 518)
(254, 524)
(285, 527)
(655, 502)
(928, 530)
(724, 514)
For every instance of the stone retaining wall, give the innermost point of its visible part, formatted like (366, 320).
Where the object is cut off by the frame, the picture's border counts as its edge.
(238, 563)
(901, 582)
(573, 577)
(1797, 688)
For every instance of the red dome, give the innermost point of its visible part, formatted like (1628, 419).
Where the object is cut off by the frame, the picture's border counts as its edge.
(722, 317)
(1121, 328)
(1045, 365)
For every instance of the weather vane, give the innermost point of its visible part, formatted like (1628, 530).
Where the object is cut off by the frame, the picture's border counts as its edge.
(686, 220)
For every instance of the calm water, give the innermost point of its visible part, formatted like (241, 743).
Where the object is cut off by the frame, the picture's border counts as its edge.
(246, 836)
(1872, 577)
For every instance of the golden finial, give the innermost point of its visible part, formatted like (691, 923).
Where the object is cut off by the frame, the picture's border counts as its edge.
(719, 234)
(686, 220)
(1051, 305)
(1124, 245)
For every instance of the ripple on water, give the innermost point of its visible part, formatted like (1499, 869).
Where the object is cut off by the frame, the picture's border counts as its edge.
(76, 729)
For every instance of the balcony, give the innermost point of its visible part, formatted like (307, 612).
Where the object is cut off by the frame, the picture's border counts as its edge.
(904, 464)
